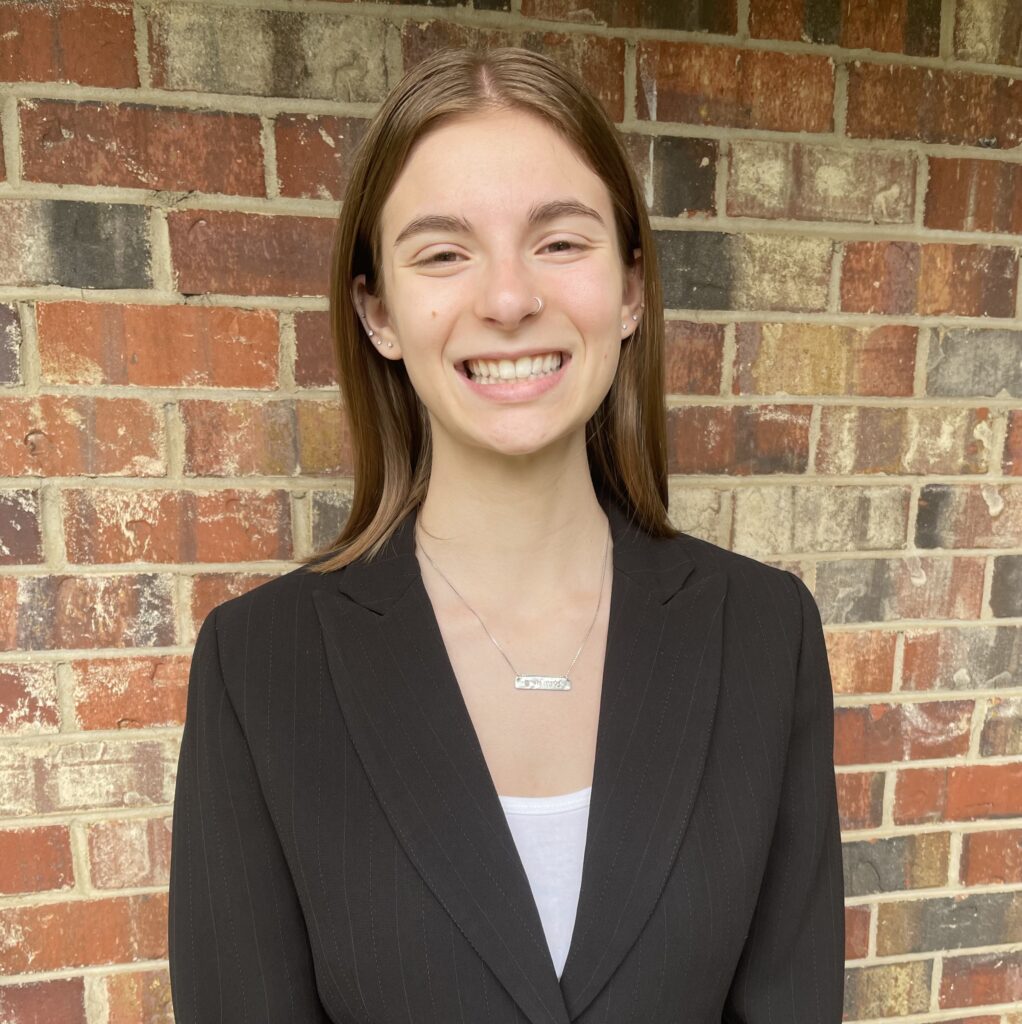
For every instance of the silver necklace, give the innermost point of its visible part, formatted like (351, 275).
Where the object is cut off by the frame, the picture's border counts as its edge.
(534, 682)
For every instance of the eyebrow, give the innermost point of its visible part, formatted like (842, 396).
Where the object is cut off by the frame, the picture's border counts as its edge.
(541, 213)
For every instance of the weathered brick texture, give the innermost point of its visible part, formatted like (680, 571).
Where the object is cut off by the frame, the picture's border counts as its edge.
(836, 199)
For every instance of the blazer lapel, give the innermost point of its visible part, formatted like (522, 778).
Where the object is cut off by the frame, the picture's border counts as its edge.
(415, 738)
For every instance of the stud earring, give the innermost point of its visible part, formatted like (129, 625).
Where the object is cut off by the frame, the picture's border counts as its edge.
(370, 332)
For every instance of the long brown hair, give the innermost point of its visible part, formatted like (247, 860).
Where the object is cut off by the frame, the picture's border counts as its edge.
(626, 438)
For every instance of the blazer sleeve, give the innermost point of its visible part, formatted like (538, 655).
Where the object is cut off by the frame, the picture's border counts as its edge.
(237, 942)
(792, 965)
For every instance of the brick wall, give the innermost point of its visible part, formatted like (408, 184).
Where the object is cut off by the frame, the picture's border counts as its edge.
(837, 192)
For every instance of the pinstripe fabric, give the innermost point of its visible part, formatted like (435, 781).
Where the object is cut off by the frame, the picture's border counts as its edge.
(340, 853)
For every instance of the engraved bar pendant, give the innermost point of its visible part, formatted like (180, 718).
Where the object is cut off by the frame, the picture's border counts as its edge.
(542, 683)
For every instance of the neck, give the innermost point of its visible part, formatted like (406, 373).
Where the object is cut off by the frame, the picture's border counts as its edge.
(498, 539)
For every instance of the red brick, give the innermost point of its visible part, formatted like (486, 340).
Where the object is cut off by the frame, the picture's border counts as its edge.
(129, 693)
(920, 795)
(113, 525)
(1013, 444)
(923, 104)
(794, 181)
(211, 589)
(315, 152)
(974, 195)
(906, 277)
(860, 799)
(35, 859)
(856, 932)
(139, 997)
(28, 699)
(88, 611)
(43, 1002)
(91, 42)
(981, 980)
(984, 791)
(314, 351)
(131, 852)
(693, 354)
(698, 83)
(916, 440)
(139, 146)
(918, 730)
(992, 858)
(81, 435)
(863, 661)
(234, 253)
(824, 359)
(739, 440)
(21, 535)
(94, 343)
(83, 932)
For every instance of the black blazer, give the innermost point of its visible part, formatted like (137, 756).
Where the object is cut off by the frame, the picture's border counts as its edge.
(339, 852)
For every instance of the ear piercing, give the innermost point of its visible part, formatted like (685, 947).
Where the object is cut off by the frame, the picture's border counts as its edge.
(370, 332)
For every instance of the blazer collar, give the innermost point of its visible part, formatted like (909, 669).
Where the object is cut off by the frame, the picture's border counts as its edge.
(412, 730)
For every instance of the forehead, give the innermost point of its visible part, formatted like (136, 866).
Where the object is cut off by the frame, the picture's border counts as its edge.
(489, 168)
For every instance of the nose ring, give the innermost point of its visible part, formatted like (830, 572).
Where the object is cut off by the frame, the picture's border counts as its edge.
(539, 307)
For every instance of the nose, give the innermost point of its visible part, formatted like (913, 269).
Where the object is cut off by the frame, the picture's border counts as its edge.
(507, 293)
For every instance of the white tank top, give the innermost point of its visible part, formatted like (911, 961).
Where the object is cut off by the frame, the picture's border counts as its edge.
(550, 833)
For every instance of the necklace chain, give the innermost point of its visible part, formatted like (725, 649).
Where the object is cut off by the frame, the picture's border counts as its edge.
(518, 677)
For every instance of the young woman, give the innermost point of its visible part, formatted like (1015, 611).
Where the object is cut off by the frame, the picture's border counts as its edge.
(513, 749)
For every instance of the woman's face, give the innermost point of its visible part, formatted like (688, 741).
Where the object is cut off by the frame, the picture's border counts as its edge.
(462, 285)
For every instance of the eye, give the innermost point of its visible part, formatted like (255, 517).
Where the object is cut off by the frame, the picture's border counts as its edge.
(436, 257)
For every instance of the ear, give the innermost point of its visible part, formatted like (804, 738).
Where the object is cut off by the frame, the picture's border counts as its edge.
(372, 313)
(632, 299)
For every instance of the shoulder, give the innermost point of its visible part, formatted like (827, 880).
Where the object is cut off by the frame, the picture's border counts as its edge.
(755, 589)
(281, 595)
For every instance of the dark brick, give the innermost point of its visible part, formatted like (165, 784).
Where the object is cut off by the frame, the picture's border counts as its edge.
(901, 862)
(879, 589)
(972, 658)
(684, 176)
(1002, 728)
(969, 516)
(918, 926)
(21, 539)
(10, 344)
(1006, 586)
(238, 50)
(719, 16)
(974, 361)
(330, 511)
(893, 26)
(81, 245)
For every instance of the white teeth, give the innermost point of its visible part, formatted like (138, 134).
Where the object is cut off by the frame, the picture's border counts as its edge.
(524, 368)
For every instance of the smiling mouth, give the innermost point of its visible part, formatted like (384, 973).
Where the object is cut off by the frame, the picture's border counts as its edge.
(504, 374)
